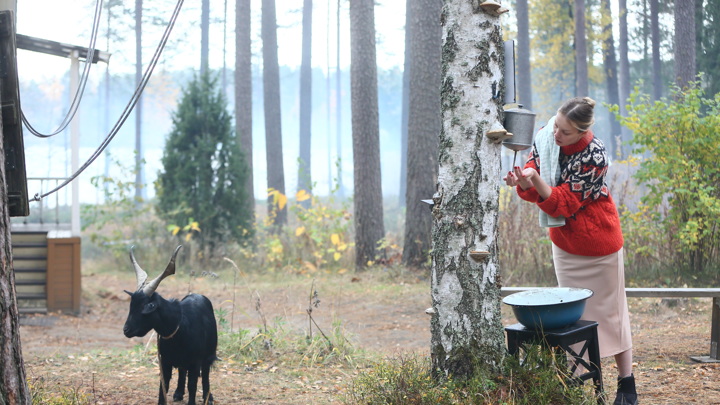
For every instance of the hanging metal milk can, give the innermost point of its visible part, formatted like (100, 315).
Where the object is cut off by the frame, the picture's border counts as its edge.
(521, 123)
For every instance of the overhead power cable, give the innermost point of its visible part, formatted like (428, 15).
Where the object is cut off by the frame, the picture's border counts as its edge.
(128, 108)
(81, 85)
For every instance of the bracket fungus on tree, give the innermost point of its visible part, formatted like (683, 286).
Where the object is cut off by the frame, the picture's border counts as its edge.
(493, 8)
(498, 135)
(479, 255)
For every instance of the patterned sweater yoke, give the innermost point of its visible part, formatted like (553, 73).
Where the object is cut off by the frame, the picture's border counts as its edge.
(593, 226)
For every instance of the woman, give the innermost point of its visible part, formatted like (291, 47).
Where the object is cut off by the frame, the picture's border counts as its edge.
(565, 177)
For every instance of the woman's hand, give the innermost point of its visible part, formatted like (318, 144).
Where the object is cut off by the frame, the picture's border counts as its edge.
(521, 177)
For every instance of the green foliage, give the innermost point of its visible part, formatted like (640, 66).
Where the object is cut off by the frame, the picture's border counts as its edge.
(318, 237)
(709, 46)
(204, 171)
(681, 174)
(541, 379)
(551, 37)
(121, 220)
(41, 394)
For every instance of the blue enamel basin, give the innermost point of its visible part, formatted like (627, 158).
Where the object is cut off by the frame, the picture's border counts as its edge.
(548, 308)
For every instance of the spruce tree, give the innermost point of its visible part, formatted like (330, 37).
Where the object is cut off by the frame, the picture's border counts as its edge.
(204, 171)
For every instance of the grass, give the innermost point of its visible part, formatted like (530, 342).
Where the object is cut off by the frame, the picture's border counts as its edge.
(400, 380)
(269, 352)
(276, 348)
(540, 379)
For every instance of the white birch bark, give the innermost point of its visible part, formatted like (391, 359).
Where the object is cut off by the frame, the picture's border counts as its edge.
(466, 325)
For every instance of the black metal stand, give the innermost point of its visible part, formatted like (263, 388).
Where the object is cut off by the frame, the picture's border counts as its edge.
(563, 338)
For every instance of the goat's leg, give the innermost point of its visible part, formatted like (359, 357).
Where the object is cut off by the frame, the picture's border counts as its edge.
(207, 396)
(193, 373)
(180, 391)
(165, 374)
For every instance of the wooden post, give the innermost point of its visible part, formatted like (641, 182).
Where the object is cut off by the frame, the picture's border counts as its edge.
(715, 331)
(13, 384)
(75, 144)
(63, 275)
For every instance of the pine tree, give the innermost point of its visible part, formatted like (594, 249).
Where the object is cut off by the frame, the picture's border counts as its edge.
(204, 173)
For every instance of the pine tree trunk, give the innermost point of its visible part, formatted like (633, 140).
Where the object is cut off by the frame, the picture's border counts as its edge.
(405, 106)
(243, 92)
(304, 172)
(581, 64)
(611, 75)
(466, 325)
(13, 385)
(423, 127)
(624, 74)
(338, 107)
(205, 36)
(368, 198)
(656, 62)
(685, 69)
(271, 90)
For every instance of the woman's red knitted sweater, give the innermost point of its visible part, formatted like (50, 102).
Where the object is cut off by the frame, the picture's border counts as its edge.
(592, 224)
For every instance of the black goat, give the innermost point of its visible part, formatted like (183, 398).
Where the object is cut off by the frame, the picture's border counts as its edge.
(187, 332)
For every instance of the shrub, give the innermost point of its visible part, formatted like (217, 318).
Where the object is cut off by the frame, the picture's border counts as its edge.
(317, 238)
(681, 174)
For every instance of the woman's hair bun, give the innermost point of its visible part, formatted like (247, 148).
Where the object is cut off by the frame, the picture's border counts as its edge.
(589, 101)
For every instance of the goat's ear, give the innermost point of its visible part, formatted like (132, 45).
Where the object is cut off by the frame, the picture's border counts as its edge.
(148, 308)
(128, 292)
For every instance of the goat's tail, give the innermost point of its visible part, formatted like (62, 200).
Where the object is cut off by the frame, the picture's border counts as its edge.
(210, 360)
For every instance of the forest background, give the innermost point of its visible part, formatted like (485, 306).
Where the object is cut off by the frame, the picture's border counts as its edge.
(45, 95)
(667, 194)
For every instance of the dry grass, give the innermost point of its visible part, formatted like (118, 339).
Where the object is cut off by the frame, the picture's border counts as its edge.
(380, 314)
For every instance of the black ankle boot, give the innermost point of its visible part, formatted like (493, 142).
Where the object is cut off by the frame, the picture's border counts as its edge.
(626, 394)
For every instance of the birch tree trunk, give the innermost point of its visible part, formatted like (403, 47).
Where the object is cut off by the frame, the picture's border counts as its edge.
(466, 328)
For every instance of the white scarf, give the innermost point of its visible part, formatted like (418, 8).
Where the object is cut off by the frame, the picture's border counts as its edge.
(549, 152)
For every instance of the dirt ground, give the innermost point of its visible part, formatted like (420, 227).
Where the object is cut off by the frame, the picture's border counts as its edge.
(80, 353)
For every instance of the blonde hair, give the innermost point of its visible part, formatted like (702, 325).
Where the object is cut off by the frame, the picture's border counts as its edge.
(580, 111)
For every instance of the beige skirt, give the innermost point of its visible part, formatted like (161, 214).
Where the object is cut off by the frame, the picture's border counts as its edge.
(605, 275)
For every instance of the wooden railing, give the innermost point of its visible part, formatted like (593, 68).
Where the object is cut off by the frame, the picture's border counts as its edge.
(48, 210)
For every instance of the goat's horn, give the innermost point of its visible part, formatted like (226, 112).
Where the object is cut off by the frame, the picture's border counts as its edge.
(150, 288)
(140, 274)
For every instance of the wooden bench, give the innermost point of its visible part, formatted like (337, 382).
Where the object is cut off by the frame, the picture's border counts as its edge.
(713, 293)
